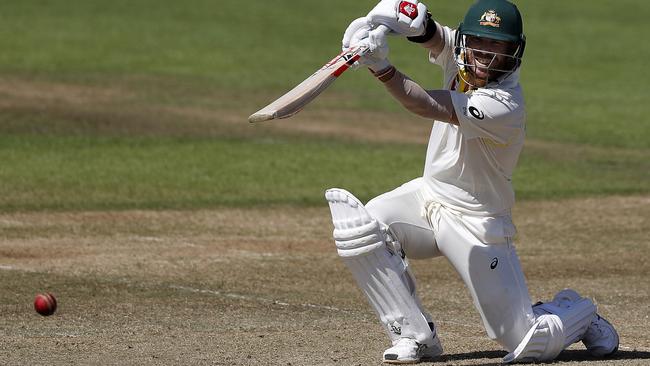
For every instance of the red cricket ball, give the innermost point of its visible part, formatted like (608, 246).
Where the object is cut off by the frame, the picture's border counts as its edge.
(45, 304)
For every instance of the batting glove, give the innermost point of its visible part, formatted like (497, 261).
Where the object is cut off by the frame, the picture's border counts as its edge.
(359, 33)
(405, 17)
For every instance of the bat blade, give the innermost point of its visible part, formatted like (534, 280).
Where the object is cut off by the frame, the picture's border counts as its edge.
(297, 98)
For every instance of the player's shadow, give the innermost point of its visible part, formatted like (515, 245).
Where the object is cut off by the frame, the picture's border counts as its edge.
(567, 355)
(450, 358)
(577, 355)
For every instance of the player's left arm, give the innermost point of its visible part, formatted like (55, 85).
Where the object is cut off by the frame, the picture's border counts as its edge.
(431, 104)
(434, 104)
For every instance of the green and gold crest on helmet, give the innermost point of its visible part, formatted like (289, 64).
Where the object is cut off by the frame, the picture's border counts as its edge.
(496, 19)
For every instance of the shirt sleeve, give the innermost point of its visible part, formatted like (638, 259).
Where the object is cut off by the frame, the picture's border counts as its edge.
(489, 115)
(446, 55)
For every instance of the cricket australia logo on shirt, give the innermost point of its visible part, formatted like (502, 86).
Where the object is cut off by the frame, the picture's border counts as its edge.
(490, 18)
(408, 9)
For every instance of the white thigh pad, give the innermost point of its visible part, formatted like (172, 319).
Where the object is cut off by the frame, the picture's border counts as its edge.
(380, 271)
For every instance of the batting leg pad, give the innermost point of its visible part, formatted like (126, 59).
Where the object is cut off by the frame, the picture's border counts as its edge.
(379, 269)
(559, 323)
(576, 313)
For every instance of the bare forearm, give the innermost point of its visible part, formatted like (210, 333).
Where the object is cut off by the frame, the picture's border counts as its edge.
(432, 104)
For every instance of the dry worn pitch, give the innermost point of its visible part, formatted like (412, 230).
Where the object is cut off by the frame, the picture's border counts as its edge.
(265, 287)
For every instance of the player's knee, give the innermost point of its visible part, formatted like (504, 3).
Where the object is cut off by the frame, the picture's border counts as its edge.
(559, 323)
(543, 342)
(574, 310)
(507, 335)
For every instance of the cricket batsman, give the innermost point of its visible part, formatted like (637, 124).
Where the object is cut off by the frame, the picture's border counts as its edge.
(461, 207)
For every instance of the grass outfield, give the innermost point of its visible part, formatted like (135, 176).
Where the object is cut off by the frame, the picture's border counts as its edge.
(82, 173)
(143, 104)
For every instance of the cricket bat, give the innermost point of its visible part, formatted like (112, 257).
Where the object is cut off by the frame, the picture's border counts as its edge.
(297, 98)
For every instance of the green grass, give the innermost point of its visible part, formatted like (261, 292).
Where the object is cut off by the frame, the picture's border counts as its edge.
(81, 173)
(581, 73)
(581, 77)
(115, 173)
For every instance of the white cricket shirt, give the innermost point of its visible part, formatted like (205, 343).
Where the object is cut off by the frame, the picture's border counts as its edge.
(469, 167)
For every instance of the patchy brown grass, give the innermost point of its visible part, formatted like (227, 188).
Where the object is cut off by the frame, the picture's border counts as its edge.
(264, 285)
(156, 107)
(150, 107)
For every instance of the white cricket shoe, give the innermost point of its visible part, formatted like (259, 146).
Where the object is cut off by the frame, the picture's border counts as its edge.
(601, 338)
(407, 350)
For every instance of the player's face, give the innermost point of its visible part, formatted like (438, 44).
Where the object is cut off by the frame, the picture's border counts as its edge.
(486, 57)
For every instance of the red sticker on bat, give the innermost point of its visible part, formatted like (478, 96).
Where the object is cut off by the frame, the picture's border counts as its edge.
(409, 9)
(349, 61)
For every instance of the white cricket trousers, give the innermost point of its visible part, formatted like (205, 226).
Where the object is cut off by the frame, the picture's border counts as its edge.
(480, 248)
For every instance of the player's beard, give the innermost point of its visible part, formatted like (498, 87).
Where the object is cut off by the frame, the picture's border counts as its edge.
(479, 70)
(486, 67)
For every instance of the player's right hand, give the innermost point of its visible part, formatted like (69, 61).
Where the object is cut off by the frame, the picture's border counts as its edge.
(375, 59)
(405, 17)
